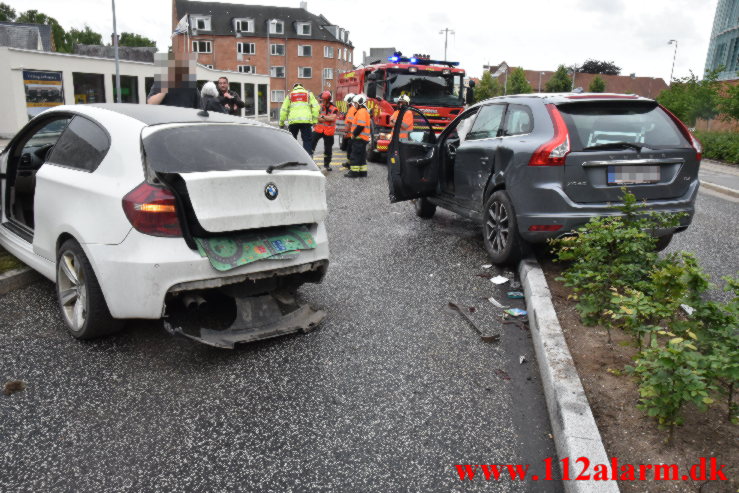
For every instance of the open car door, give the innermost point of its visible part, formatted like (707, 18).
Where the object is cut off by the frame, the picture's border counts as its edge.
(413, 163)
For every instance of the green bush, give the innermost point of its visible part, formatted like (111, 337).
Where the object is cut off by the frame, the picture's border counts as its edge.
(722, 146)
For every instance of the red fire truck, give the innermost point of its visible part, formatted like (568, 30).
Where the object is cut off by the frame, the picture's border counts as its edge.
(436, 89)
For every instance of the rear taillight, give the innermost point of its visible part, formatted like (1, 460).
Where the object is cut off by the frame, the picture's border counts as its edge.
(545, 227)
(553, 152)
(152, 211)
(686, 133)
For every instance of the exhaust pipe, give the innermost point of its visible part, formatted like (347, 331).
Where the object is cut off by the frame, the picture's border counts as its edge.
(193, 301)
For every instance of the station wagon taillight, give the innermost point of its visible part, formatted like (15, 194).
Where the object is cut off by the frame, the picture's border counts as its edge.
(695, 143)
(554, 151)
(152, 211)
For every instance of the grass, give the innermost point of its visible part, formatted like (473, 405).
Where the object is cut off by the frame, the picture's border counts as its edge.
(8, 262)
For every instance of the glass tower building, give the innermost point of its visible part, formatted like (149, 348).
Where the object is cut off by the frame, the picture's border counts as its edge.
(723, 51)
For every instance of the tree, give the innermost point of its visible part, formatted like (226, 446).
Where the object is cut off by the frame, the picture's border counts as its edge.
(132, 39)
(600, 67)
(85, 37)
(517, 83)
(7, 13)
(729, 104)
(487, 88)
(57, 32)
(560, 81)
(689, 98)
(597, 85)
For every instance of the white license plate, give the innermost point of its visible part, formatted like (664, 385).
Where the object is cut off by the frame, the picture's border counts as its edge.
(630, 175)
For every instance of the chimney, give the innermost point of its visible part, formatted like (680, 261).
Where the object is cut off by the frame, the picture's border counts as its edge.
(304, 5)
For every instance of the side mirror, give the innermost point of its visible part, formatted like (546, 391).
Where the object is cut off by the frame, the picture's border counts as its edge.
(372, 90)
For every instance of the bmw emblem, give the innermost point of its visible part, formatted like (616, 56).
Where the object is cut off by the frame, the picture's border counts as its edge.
(270, 191)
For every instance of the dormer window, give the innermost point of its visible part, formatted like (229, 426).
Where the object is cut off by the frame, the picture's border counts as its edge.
(276, 27)
(303, 28)
(200, 22)
(244, 25)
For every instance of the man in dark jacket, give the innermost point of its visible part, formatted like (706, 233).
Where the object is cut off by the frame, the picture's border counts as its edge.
(228, 98)
(179, 88)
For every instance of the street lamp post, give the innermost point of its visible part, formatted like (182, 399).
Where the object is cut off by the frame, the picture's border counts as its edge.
(446, 32)
(505, 84)
(117, 60)
(673, 41)
(540, 74)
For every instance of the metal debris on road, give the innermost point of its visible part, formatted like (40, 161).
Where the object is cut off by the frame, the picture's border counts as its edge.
(521, 359)
(516, 312)
(495, 302)
(499, 280)
(484, 337)
(515, 295)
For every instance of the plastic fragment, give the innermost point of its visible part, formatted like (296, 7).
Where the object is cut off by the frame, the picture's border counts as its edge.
(495, 302)
(521, 359)
(687, 309)
(499, 280)
(516, 312)
(487, 266)
(515, 285)
(515, 295)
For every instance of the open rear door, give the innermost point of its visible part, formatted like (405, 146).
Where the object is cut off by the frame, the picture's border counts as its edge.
(413, 163)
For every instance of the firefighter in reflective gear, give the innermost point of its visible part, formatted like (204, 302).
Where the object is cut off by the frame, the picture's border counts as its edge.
(326, 127)
(360, 138)
(300, 110)
(406, 126)
(348, 122)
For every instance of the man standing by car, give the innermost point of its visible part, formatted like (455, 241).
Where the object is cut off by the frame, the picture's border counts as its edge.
(360, 137)
(300, 110)
(406, 126)
(326, 128)
(179, 87)
(348, 122)
(228, 98)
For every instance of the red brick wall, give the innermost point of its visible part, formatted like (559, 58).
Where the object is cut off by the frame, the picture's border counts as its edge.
(225, 57)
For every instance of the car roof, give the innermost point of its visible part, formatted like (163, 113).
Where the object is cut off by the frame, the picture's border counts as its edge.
(156, 114)
(569, 97)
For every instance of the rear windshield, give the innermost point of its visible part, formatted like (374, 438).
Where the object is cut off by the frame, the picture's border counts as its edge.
(606, 122)
(210, 147)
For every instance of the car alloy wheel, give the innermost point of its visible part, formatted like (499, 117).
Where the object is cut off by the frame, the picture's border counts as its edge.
(500, 229)
(72, 290)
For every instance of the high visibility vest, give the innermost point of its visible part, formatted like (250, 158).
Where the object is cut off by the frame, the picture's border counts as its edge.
(327, 128)
(406, 126)
(299, 107)
(362, 119)
(349, 118)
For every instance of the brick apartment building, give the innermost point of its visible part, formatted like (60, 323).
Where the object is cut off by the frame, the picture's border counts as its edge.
(291, 44)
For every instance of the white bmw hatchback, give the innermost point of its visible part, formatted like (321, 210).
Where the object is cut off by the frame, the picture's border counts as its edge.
(126, 207)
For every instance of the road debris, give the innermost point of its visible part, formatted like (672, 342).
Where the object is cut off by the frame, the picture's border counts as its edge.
(13, 386)
(502, 374)
(521, 359)
(495, 302)
(516, 312)
(515, 284)
(487, 266)
(484, 337)
(687, 309)
(515, 295)
(499, 280)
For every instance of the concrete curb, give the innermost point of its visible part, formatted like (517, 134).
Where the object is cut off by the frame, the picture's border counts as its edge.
(575, 432)
(720, 188)
(17, 278)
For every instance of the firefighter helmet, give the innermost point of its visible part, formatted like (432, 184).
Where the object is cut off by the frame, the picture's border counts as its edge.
(404, 99)
(349, 97)
(326, 95)
(360, 99)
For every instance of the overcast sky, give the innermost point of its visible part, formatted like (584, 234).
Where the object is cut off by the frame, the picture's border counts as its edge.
(534, 34)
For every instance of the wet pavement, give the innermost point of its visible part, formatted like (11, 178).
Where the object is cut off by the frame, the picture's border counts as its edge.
(388, 394)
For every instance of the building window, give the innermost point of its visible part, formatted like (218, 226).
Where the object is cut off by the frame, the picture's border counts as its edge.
(245, 48)
(350, 56)
(262, 99)
(201, 23)
(328, 51)
(278, 72)
(248, 69)
(249, 100)
(278, 50)
(276, 27)
(202, 47)
(278, 96)
(303, 28)
(328, 74)
(88, 88)
(305, 50)
(244, 25)
(305, 72)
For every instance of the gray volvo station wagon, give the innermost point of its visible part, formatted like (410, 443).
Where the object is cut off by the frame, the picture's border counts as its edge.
(537, 166)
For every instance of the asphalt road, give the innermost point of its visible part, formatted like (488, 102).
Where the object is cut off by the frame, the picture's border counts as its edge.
(387, 395)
